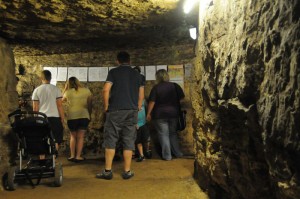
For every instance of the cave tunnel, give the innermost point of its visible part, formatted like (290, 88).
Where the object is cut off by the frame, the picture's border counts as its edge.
(237, 62)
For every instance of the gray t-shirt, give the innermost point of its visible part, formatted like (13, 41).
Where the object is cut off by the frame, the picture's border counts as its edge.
(126, 83)
(47, 94)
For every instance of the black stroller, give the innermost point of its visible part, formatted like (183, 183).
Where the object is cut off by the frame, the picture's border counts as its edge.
(36, 144)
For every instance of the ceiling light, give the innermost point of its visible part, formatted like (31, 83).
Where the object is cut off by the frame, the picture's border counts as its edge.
(188, 5)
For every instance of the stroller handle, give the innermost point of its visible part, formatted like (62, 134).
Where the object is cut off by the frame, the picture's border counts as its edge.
(19, 112)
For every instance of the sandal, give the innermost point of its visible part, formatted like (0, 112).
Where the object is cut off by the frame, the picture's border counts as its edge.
(71, 159)
(79, 160)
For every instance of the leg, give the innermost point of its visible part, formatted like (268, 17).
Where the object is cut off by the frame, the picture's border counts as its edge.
(109, 156)
(72, 143)
(107, 173)
(175, 147)
(162, 128)
(140, 149)
(79, 143)
(127, 155)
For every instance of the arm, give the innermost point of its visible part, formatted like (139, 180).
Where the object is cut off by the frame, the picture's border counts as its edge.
(141, 97)
(150, 108)
(106, 92)
(35, 105)
(90, 104)
(60, 109)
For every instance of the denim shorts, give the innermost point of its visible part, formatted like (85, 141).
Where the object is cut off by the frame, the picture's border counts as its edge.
(120, 124)
(78, 124)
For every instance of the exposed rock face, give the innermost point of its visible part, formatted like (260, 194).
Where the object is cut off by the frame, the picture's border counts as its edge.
(8, 101)
(247, 99)
(94, 25)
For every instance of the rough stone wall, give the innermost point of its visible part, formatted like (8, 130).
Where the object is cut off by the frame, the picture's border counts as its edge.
(246, 99)
(8, 102)
(152, 56)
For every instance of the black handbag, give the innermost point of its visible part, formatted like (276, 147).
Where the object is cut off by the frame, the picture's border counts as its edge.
(181, 123)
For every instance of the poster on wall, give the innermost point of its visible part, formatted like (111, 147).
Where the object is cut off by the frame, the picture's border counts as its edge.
(142, 69)
(79, 72)
(158, 67)
(62, 73)
(176, 74)
(53, 71)
(97, 74)
(150, 72)
(188, 70)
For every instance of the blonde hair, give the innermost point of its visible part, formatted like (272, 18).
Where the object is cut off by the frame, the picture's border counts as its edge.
(162, 76)
(73, 82)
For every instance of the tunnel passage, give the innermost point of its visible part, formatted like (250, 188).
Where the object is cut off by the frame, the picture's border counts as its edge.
(243, 92)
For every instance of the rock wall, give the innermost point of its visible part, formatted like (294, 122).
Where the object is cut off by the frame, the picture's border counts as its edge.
(181, 54)
(8, 103)
(246, 99)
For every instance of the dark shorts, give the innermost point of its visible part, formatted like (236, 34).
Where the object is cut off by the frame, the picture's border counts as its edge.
(57, 129)
(78, 124)
(121, 125)
(142, 135)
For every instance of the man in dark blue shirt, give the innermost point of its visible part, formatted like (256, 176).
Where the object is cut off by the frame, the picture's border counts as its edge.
(123, 94)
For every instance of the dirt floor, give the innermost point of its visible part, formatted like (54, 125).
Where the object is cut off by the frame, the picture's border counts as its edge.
(154, 178)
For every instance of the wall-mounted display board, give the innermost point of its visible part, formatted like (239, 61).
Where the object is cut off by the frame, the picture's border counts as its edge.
(177, 73)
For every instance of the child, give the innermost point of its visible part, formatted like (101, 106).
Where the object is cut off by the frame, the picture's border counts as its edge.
(143, 136)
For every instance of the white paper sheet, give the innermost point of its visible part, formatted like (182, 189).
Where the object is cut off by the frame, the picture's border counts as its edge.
(79, 72)
(158, 67)
(112, 67)
(142, 69)
(62, 73)
(97, 74)
(150, 72)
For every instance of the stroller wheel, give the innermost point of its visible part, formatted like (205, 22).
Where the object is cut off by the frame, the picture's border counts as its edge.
(11, 176)
(58, 175)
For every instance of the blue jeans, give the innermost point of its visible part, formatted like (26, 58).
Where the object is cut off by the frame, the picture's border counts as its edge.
(167, 136)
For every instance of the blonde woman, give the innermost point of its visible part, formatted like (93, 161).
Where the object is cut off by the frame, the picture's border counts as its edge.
(79, 101)
(163, 110)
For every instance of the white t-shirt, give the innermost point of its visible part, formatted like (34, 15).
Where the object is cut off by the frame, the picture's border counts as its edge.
(47, 94)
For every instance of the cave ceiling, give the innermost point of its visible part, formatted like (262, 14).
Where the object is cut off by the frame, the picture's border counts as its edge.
(60, 26)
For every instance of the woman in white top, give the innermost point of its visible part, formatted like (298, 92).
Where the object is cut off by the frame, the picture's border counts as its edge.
(79, 101)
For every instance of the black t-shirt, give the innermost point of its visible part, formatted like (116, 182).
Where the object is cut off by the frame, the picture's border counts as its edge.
(124, 93)
(165, 97)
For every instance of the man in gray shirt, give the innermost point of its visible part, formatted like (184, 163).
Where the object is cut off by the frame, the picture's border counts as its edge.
(123, 94)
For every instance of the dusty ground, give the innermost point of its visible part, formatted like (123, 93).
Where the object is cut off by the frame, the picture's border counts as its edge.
(154, 178)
